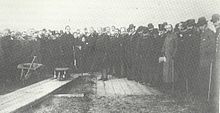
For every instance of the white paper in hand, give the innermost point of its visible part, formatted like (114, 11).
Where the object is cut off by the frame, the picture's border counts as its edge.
(162, 59)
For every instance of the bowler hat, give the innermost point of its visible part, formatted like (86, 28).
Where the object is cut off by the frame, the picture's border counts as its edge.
(140, 28)
(201, 21)
(150, 26)
(131, 26)
(215, 18)
(190, 22)
(165, 23)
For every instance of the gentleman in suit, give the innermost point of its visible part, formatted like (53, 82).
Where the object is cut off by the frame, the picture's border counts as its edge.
(207, 55)
(66, 46)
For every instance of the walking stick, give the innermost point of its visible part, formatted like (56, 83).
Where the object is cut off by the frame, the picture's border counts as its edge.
(187, 86)
(210, 81)
(172, 61)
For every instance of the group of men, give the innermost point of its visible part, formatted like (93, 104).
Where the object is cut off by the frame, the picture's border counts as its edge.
(184, 54)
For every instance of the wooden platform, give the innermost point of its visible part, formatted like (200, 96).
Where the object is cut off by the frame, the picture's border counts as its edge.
(15, 101)
(123, 87)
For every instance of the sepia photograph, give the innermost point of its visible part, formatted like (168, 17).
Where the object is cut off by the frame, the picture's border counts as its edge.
(109, 56)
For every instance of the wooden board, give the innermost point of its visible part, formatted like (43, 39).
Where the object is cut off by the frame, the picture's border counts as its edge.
(28, 95)
(135, 89)
(123, 87)
(101, 88)
(117, 86)
(69, 95)
(110, 91)
(143, 88)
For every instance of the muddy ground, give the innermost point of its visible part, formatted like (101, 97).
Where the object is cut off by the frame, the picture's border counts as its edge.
(91, 103)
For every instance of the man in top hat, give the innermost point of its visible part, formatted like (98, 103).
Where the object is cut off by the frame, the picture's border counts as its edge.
(135, 56)
(67, 47)
(215, 80)
(186, 60)
(207, 54)
(148, 52)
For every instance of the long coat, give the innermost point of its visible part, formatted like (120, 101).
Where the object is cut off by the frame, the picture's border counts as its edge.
(216, 71)
(169, 50)
(207, 54)
(207, 47)
(147, 57)
(66, 45)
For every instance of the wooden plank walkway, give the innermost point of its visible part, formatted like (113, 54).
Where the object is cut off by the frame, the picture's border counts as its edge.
(18, 99)
(123, 87)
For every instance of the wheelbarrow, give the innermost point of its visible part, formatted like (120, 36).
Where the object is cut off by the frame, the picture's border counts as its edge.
(61, 73)
(27, 70)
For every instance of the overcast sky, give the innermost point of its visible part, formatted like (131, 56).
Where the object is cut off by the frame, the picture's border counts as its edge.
(55, 14)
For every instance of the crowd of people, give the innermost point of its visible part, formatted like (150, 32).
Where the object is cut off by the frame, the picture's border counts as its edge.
(182, 54)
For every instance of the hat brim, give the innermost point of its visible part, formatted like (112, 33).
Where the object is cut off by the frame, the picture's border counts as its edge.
(213, 20)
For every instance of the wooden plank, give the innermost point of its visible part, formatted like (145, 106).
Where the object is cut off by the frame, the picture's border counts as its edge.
(156, 92)
(51, 85)
(30, 94)
(127, 90)
(61, 69)
(114, 86)
(144, 89)
(129, 87)
(119, 87)
(69, 95)
(30, 97)
(20, 92)
(134, 87)
(109, 89)
(100, 88)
